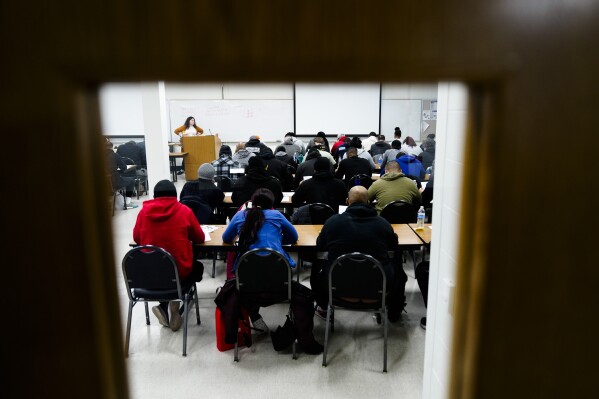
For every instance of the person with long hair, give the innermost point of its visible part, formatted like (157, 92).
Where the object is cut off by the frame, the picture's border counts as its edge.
(410, 147)
(260, 226)
(189, 128)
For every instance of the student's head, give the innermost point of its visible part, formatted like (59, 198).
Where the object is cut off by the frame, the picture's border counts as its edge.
(392, 167)
(190, 121)
(431, 136)
(224, 150)
(321, 134)
(109, 144)
(396, 144)
(397, 133)
(381, 137)
(428, 143)
(263, 198)
(356, 142)
(256, 163)
(352, 152)
(322, 163)
(289, 134)
(165, 188)
(409, 141)
(319, 142)
(357, 195)
(206, 172)
(239, 146)
(255, 137)
(372, 134)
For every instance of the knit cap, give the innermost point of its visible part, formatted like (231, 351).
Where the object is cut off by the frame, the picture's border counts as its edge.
(206, 171)
(165, 188)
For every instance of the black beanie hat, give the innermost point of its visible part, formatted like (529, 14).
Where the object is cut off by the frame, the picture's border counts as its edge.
(255, 162)
(165, 188)
(225, 150)
(322, 163)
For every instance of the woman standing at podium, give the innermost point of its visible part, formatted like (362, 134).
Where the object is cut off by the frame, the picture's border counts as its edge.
(189, 128)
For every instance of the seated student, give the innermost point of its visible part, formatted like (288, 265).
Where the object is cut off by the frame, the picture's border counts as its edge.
(378, 149)
(116, 169)
(290, 148)
(300, 144)
(242, 156)
(277, 168)
(323, 143)
(255, 178)
(319, 143)
(427, 157)
(283, 156)
(340, 140)
(166, 223)
(410, 147)
(342, 150)
(410, 165)
(390, 154)
(362, 153)
(225, 162)
(203, 188)
(359, 229)
(261, 226)
(392, 186)
(306, 168)
(254, 145)
(322, 187)
(353, 165)
(369, 141)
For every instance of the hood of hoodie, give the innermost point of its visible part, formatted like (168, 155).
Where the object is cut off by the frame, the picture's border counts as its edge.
(323, 175)
(407, 158)
(242, 154)
(281, 154)
(288, 141)
(361, 211)
(381, 144)
(161, 209)
(258, 175)
(392, 176)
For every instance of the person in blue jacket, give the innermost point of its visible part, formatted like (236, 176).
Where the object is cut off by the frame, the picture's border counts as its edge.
(260, 226)
(410, 165)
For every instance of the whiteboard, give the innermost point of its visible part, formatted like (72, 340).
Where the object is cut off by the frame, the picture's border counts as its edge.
(235, 120)
(406, 114)
(351, 109)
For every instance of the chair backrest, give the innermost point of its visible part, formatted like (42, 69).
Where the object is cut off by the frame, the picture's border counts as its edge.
(357, 275)
(320, 212)
(360, 180)
(150, 267)
(202, 211)
(263, 270)
(399, 211)
(223, 182)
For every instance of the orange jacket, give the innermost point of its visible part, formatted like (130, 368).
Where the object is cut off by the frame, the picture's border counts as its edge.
(182, 129)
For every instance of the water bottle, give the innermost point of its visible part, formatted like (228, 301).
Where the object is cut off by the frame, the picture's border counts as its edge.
(420, 220)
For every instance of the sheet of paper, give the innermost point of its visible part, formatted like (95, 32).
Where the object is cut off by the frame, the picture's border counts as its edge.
(342, 208)
(207, 230)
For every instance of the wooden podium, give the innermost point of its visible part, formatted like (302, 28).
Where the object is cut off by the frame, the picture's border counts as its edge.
(199, 149)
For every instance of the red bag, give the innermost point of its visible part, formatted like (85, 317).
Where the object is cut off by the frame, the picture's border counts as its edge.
(243, 330)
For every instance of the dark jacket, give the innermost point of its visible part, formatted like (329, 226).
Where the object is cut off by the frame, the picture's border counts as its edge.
(322, 187)
(350, 167)
(131, 150)
(379, 148)
(358, 229)
(277, 168)
(254, 146)
(205, 191)
(306, 168)
(255, 178)
(427, 157)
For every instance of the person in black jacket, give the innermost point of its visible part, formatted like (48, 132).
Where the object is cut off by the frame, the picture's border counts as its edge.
(256, 177)
(360, 229)
(306, 168)
(203, 189)
(322, 187)
(277, 168)
(281, 155)
(353, 165)
(254, 145)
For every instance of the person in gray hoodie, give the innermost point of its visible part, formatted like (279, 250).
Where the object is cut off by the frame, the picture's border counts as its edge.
(242, 156)
(290, 147)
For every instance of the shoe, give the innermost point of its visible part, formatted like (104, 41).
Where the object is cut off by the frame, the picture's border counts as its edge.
(423, 323)
(321, 313)
(260, 326)
(132, 206)
(176, 320)
(180, 172)
(160, 315)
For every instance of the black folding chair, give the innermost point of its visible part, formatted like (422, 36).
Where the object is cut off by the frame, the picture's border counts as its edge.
(151, 275)
(360, 180)
(399, 212)
(357, 282)
(263, 271)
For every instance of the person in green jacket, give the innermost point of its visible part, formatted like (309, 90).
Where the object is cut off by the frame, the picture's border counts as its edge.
(392, 186)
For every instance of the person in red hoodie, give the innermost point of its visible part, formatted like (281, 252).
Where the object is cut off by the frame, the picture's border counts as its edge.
(166, 223)
(340, 141)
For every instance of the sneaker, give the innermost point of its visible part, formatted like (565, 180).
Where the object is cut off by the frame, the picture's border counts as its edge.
(321, 313)
(423, 323)
(260, 326)
(160, 315)
(180, 172)
(132, 206)
(176, 320)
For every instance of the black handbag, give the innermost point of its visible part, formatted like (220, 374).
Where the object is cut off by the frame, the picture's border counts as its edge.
(284, 335)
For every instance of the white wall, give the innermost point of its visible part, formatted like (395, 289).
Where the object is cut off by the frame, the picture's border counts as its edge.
(449, 167)
(121, 109)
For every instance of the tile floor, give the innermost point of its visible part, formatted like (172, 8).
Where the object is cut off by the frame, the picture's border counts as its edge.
(156, 368)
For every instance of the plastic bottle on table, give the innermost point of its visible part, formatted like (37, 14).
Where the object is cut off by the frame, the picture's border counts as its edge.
(420, 219)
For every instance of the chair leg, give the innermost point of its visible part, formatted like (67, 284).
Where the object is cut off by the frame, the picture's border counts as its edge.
(195, 298)
(185, 304)
(214, 263)
(326, 336)
(385, 323)
(147, 314)
(236, 353)
(128, 333)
